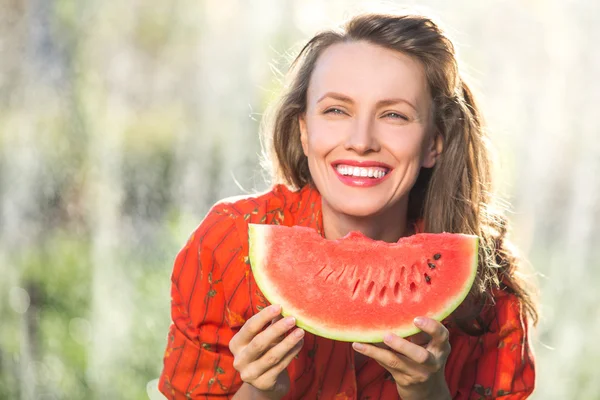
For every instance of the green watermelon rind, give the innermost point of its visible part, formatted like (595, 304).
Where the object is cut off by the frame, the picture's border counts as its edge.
(258, 235)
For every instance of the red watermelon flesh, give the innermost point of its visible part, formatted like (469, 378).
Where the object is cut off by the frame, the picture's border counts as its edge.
(359, 289)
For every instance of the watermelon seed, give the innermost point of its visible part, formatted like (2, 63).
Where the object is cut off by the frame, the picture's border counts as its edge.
(427, 279)
(396, 289)
(413, 287)
(370, 288)
(322, 269)
(382, 295)
(339, 277)
(328, 275)
(431, 265)
(437, 256)
(355, 290)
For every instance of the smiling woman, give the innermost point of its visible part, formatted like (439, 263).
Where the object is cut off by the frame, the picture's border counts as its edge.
(367, 106)
(376, 132)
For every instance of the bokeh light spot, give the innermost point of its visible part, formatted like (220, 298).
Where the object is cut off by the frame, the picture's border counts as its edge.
(19, 300)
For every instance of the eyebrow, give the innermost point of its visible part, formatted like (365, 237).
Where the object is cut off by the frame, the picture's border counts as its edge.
(383, 102)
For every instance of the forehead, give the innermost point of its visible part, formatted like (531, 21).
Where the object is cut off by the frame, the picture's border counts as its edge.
(367, 71)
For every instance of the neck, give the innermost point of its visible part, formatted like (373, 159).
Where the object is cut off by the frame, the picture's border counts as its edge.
(389, 225)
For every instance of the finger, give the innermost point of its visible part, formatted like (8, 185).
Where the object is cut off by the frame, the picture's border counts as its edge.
(265, 340)
(410, 350)
(273, 372)
(387, 359)
(253, 327)
(273, 321)
(438, 332)
(271, 358)
(278, 352)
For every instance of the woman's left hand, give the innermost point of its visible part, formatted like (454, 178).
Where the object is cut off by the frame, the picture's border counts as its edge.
(417, 369)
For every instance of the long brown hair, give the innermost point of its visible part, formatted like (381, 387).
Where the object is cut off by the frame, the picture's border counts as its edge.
(453, 196)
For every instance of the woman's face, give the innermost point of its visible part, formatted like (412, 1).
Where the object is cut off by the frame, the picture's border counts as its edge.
(365, 131)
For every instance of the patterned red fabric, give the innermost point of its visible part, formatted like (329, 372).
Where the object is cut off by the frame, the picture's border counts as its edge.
(214, 293)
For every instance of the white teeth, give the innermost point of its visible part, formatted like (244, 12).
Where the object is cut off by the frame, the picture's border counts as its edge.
(347, 170)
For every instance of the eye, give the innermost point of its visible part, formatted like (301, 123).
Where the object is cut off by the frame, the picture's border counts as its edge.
(335, 111)
(395, 115)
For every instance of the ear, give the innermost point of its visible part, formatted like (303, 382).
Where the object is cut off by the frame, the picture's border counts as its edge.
(303, 133)
(433, 150)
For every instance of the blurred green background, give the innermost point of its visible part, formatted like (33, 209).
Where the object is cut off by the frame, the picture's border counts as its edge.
(121, 123)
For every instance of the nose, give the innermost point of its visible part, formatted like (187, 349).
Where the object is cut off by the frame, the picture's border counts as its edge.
(361, 137)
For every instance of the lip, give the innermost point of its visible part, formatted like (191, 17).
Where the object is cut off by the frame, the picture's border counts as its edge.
(364, 164)
(357, 181)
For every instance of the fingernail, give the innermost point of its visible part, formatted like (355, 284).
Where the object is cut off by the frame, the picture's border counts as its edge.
(299, 333)
(358, 346)
(388, 338)
(419, 321)
(290, 321)
(275, 309)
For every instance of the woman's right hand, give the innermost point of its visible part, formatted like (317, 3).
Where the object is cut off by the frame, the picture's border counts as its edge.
(261, 357)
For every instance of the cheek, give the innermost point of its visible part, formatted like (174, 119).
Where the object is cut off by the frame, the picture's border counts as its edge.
(407, 146)
(323, 136)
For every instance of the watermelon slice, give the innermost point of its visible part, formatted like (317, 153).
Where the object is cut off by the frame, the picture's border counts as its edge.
(359, 289)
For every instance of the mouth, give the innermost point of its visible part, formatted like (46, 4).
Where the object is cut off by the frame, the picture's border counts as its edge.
(374, 170)
(355, 173)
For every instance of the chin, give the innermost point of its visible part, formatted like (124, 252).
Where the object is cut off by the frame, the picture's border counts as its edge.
(359, 209)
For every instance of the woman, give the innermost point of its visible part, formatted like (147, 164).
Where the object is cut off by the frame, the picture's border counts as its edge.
(377, 133)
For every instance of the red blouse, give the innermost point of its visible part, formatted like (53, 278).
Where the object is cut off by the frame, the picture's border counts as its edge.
(213, 293)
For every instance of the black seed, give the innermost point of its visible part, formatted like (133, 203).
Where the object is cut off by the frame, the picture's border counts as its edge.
(437, 256)
(427, 278)
(432, 266)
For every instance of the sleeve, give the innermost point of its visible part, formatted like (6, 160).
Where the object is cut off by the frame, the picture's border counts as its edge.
(505, 368)
(197, 360)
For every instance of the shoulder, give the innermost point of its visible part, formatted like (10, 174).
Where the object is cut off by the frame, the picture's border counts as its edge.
(241, 204)
(278, 205)
(233, 214)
